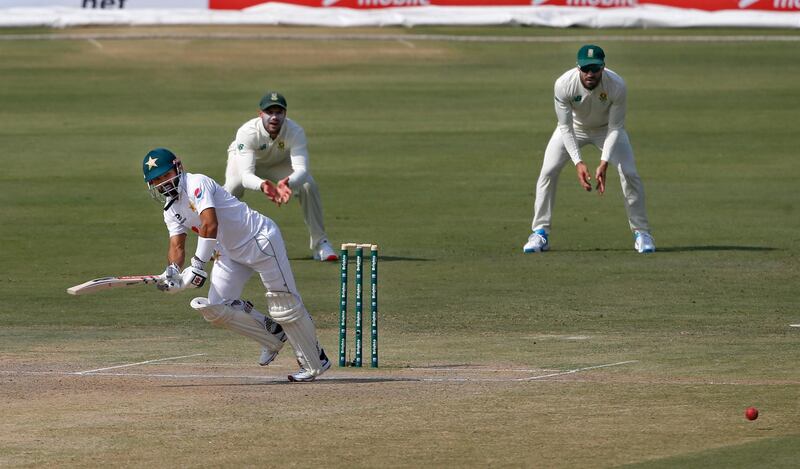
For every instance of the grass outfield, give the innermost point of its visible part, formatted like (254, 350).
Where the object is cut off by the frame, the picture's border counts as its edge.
(588, 355)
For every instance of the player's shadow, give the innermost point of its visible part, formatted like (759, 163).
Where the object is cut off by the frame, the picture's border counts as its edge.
(680, 249)
(366, 258)
(317, 382)
(715, 248)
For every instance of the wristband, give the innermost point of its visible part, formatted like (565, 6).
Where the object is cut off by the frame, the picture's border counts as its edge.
(205, 248)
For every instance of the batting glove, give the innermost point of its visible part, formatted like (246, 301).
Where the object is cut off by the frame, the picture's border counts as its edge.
(170, 281)
(194, 276)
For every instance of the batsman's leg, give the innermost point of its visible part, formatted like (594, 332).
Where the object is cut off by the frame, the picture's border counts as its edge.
(235, 315)
(286, 307)
(288, 311)
(227, 281)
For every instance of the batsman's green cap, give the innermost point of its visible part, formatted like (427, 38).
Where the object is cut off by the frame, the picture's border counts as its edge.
(158, 162)
(591, 55)
(272, 99)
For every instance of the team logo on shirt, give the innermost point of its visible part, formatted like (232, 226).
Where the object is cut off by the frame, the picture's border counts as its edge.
(241, 146)
(577, 99)
(281, 145)
(263, 146)
(198, 193)
(603, 97)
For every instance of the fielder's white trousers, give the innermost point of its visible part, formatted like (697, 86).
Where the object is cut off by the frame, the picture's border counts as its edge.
(264, 254)
(308, 193)
(556, 156)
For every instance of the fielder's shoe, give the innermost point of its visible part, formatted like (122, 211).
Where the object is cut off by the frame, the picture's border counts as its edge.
(537, 242)
(305, 375)
(276, 330)
(324, 252)
(643, 243)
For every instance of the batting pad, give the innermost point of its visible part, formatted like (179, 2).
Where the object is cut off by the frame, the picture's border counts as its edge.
(288, 311)
(234, 315)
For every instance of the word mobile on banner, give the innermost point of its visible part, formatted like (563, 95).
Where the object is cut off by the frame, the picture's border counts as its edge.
(708, 5)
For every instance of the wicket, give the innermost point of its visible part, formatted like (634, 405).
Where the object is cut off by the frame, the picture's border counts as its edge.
(344, 257)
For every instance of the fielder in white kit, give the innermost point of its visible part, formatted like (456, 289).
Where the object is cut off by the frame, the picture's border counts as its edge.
(590, 103)
(246, 242)
(270, 155)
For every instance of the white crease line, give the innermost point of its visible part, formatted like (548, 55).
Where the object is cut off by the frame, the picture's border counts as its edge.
(576, 370)
(135, 364)
(481, 370)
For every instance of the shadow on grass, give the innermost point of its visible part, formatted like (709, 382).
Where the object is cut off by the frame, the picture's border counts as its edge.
(679, 249)
(366, 258)
(318, 382)
(715, 248)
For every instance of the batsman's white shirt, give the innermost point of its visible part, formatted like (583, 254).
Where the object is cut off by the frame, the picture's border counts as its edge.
(254, 147)
(236, 222)
(248, 241)
(586, 112)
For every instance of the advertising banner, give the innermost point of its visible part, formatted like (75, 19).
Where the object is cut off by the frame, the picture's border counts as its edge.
(106, 4)
(707, 5)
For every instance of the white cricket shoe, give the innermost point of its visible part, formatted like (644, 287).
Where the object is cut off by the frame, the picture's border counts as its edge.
(305, 375)
(267, 356)
(272, 327)
(643, 243)
(537, 242)
(324, 252)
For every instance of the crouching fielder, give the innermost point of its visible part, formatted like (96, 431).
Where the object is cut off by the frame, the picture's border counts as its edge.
(246, 242)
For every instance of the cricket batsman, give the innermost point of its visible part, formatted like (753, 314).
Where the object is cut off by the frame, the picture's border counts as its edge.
(590, 102)
(270, 155)
(246, 242)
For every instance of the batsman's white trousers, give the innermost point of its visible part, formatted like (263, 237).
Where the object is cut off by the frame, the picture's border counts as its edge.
(308, 193)
(621, 156)
(264, 254)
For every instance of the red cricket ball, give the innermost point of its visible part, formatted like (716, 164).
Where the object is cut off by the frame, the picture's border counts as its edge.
(751, 413)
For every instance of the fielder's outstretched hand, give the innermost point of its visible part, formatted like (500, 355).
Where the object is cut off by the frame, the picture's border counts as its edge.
(600, 175)
(280, 194)
(284, 191)
(583, 176)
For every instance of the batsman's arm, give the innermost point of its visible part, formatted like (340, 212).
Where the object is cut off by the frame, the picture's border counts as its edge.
(208, 223)
(177, 250)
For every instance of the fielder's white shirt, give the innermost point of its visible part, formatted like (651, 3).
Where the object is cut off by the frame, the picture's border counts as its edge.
(587, 111)
(254, 147)
(236, 222)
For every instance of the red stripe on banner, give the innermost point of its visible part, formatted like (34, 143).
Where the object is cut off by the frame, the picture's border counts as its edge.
(708, 5)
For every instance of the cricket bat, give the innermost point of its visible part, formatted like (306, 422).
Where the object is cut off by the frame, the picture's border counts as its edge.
(105, 283)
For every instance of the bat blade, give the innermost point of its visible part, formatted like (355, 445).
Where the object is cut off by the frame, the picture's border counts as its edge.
(104, 283)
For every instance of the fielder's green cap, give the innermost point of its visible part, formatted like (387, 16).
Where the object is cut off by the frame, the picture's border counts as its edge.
(591, 55)
(272, 98)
